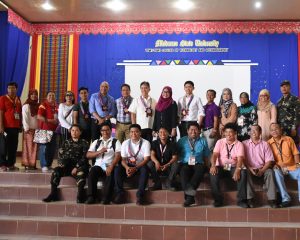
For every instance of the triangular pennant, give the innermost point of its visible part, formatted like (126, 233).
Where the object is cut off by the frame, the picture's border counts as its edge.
(205, 61)
(209, 63)
(219, 63)
(195, 62)
(168, 62)
(187, 62)
(214, 62)
(163, 63)
(172, 63)
(191, 63)
(158, 62)
(200, 63)
(177, 62)
(153, 63)
(181, 62)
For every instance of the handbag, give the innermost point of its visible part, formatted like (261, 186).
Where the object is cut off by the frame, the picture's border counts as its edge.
(42, 136)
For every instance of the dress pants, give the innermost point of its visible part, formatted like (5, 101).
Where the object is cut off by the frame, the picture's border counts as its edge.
(269, 184)
(11, 145)
(241, 184)
(95, 173)
(191, 176)
(120, 175)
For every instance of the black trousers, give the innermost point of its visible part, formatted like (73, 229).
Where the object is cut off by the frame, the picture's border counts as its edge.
(11, 145)
(191, 176)
(95, 130)
(241, 184)
(95, 173)
(147, 134)
(171, 172)
(120, 175)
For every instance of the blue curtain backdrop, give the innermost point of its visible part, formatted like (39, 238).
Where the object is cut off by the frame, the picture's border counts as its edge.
(276, 54)
(14, 46)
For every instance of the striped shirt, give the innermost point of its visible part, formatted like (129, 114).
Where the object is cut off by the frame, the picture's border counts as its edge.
(121, 116)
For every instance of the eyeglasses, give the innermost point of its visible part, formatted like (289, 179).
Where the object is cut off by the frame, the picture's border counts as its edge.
(69, 95)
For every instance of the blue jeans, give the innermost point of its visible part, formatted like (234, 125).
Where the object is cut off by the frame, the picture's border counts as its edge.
(281, 185)
(47, 151)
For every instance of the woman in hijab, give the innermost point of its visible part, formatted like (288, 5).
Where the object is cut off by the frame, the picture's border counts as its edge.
(247, 117)
(30, 124)
(166, 113)
(228, 109)
(266, 112)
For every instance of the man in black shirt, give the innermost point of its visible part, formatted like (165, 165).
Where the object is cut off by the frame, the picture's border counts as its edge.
(163, 155)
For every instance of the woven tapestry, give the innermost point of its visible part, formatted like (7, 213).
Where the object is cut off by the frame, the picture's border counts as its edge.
(54, 66)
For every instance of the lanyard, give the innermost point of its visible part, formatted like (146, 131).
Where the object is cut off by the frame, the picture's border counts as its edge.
(192, 144)
(162, 150)
(145, 103)
(101, 100)
(229, 150)
(131, 152)
(126, 102)
(189, 103)
(279, 148)
(13, 102)
(105, 145)
(82, 109)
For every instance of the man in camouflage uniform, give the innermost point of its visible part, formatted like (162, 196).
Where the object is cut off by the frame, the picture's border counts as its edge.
(72, 161)
(288, 111)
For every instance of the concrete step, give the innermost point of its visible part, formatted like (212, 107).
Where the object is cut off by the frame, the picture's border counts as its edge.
(147, 229)
(159, 212)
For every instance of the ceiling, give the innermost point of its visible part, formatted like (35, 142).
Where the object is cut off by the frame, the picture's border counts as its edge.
(155, 10)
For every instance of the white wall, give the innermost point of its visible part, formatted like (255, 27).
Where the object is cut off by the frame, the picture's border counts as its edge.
(205, 77)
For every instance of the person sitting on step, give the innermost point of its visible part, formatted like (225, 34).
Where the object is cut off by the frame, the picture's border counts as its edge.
(72, 161)
(107, 151)
(163, 155)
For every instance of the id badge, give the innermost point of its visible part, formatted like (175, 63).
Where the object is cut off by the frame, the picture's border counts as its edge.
(227, 167)
(132, 161)
(240, 121)
(17, 116)
(192, 160)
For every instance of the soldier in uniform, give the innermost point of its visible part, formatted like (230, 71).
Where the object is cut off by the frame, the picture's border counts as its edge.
(288, 110)
(72, 161)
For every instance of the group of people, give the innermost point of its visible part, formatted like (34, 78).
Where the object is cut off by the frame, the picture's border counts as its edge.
(243, 143)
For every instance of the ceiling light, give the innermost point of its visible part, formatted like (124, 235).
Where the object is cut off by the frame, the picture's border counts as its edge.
(184, 5)
(47, 6)
(257, 5)
(116, 5)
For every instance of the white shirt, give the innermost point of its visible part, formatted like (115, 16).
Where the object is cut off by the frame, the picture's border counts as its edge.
(134, 147)
(63, 109)
(195, 109)
(139, 109)
(107, 158)
(28, 121)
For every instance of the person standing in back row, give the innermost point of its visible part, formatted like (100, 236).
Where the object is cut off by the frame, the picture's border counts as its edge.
(190, 109)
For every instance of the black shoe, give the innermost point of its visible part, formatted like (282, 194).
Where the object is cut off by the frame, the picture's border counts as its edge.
(51, 198)
(140, 202)
(272, 203)
(250, 203)
(189, 201)
(218, 203)
(155, 187)
(242, 204)
(106, 202)
(119, 199)
(90, 200)
(285, 204)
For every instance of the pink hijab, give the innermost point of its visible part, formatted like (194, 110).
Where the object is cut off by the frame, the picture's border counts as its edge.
(164, 103)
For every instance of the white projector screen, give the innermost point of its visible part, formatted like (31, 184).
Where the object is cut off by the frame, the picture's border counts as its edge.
(217, 77)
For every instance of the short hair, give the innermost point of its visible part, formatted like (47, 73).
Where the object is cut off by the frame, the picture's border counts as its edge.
(125, 85)
(213, 91)
(12, 84)
(83, 88)
(106, 123)
(50, 91)
(232, 126)
(135, 125)
(275, 123)
(193, 124)
(76, 125)
(189, 82)
(145, 83)
(258, 127)
(164, 129)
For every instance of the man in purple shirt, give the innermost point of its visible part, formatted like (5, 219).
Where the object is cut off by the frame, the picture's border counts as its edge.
(211, 119)
(259, 161)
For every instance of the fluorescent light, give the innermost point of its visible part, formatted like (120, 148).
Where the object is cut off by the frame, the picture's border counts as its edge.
(257, 5)
(47, 6)
(116, 5)
(184, 5)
